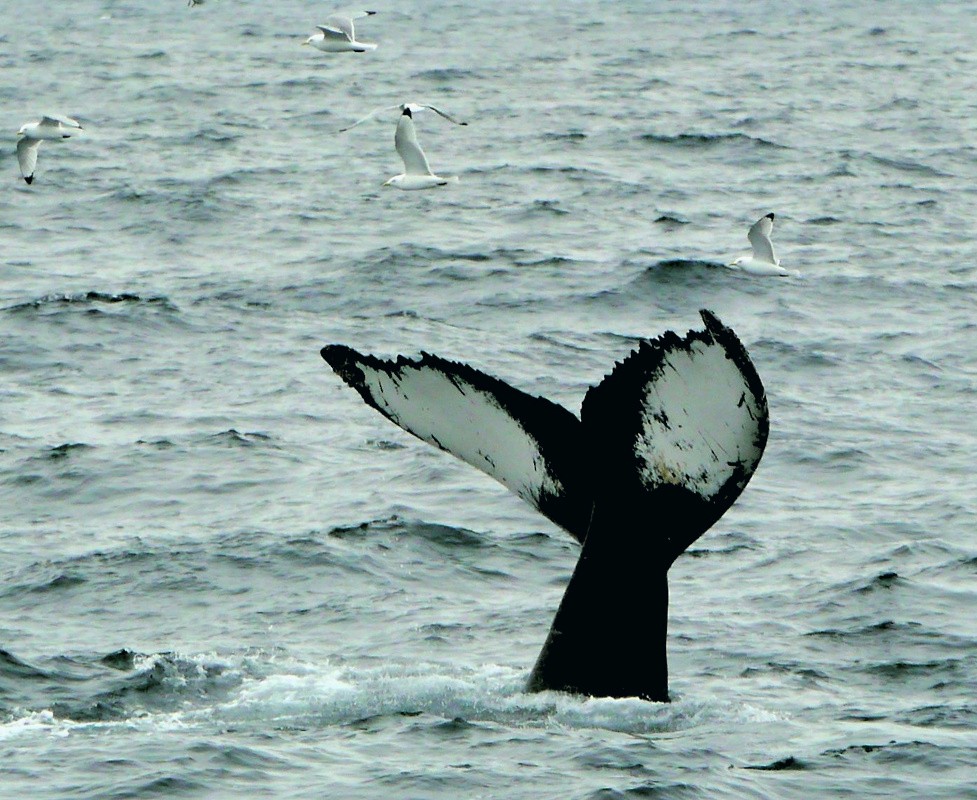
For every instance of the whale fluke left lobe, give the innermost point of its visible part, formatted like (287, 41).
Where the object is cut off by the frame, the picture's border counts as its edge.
(529, 444)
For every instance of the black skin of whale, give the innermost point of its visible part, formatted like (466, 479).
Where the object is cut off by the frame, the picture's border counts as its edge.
(608, 638)
(594, 649)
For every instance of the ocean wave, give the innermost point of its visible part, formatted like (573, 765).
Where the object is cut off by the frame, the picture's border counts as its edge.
(118, 686)
(210, 136)
(565, 136)
(848, 158)
(433, 533)
(883, 581)
(418, 254)
(953, 715)
(670, 222)
(707, 140)
(685, 264)
(787, 763)
(64, 450)
(738, 32)
(895, 755)
(907, 165)
(196, 199)
(13, 668)
(542, 208)
(861, 631)
(674, 270)
(179, 94)
(799, 356)
(844, 458)
(933, 670)
(451, 75)
(389, 257)
(234, 438)
(572, 173)
(735, 542)
(89, 300)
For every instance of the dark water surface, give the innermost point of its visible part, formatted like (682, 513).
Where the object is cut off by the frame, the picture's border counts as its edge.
(221, 574)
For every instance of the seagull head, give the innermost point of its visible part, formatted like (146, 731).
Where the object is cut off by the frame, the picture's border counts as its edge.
(394, 180)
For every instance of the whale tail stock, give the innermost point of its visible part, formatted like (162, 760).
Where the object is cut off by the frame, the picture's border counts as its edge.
(664, 445)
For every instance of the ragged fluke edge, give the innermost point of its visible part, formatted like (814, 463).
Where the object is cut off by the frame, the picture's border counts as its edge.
(665, 444)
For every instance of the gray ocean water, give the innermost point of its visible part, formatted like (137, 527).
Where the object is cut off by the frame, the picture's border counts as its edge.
(222, 575)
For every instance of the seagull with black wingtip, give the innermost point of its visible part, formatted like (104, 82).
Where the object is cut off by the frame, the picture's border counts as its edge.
(337, 35)
(32, 134)
(763, 260)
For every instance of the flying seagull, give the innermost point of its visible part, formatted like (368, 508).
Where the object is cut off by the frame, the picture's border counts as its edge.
(33, 133)
(417, 172)
(763, 260)
(337, 35)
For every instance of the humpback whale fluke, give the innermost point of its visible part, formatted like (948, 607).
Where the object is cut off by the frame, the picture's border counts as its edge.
(664, 445)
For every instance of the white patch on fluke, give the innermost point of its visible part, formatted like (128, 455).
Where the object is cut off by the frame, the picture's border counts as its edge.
(698, 422)
(467, 421)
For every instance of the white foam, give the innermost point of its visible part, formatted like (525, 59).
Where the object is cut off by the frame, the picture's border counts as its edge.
(32, 723)
(298, 694)
(338, 695)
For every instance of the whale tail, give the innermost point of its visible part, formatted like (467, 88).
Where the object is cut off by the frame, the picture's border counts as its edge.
(665, 444)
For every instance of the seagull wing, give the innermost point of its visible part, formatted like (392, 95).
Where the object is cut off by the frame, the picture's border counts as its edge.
(27, 157)
(343, 23)
(338, 24)
(371, 115)
(440, 113)
(529, 444)
(336, 33)
(53, 121)
(759, 237)
(405, 140)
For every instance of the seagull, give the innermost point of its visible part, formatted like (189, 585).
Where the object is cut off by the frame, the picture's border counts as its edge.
(336, 34)
(417, 172)
(763, 261)
(31, 135)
